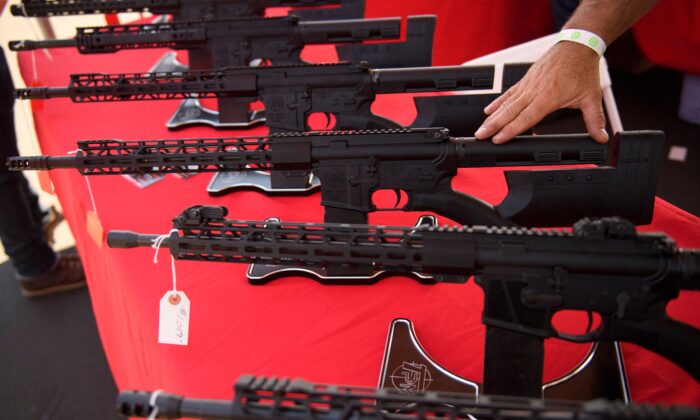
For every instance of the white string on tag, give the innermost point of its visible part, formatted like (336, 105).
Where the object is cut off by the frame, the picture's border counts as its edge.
(46, 51)
(174, 312)
(92, 197)
(35, 72)
(87, 181)
(152, 404)
(157, 242)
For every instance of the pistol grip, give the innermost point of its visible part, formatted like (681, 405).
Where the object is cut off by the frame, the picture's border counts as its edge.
(463, 209)
(676, 341)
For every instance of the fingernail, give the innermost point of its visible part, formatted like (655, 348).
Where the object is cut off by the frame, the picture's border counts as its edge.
(498, 138)
(481, 132)
(604, 134)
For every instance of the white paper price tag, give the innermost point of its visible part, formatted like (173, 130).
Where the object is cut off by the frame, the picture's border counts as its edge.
(174, 320)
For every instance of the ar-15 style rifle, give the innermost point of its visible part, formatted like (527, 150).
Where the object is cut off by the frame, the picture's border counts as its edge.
(352, 166)
(192, 9)
(266, 398)
(527, 275)
(290, 94)
(222, 43)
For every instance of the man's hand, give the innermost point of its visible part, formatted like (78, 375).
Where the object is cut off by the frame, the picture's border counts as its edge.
(567, 76)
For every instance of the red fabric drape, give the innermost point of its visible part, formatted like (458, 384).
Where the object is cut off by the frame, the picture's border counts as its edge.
(669, 35)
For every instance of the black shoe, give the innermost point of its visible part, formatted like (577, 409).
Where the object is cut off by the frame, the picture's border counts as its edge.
(67, 275)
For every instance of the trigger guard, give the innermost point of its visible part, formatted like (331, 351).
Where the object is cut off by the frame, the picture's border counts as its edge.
(587, 337)
(594, 335)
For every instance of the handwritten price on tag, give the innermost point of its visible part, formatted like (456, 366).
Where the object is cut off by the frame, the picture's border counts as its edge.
(174, 319)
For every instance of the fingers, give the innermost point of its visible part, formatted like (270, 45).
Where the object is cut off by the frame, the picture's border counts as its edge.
(515, 115)
(562, 78)
(496, 103)
(527, 118)
(594, 117)
(506, 112)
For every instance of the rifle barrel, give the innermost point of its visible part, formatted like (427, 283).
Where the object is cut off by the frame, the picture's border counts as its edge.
(29, 45)
(21, 163)
(129, 239)
(42, 93)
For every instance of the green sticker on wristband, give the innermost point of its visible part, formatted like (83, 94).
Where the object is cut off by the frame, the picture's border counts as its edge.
(583, 37)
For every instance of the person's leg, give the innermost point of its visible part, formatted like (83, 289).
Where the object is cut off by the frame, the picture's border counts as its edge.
(33, 200)
(20, 221)
(20, 232)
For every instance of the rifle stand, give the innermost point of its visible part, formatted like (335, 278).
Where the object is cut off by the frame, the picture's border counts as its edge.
(259, 274)
(191, 112)
(407, 368)
(225, 182)
(169, 63)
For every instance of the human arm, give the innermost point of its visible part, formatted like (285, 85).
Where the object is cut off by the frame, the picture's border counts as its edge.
(567, 76)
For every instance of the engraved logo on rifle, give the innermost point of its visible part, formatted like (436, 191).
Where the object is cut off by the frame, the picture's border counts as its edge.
(336, 183)
(191, 113)
(411, 377)
(274, 108)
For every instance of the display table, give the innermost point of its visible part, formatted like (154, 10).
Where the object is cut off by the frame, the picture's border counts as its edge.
(293, 326)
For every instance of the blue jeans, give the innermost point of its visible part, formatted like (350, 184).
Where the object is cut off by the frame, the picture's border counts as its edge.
(20, 214)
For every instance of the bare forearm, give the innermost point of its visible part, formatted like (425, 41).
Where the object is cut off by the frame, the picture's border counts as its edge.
(567, 76)
(608, 18)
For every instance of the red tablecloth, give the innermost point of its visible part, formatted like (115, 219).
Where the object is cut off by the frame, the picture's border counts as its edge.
(292, 327)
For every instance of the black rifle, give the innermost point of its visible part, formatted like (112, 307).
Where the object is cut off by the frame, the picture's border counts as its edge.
(266, 398)
(290, 94)
(223, 43)
(527, 275)
(192, 9)
(352, 166)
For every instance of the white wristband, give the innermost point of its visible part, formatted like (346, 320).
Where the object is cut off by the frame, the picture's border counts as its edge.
(583, 37)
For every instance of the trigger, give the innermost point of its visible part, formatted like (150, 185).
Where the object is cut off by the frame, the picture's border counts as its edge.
(398, 197)
(328, 121)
